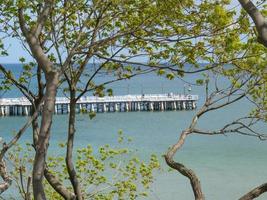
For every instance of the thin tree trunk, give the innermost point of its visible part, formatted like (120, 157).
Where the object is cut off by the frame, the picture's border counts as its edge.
(256, 192)
(258, 19)
(71, 132)
(195, 183)
(35, 125)
(58, 187)
(6, 178)
(52, 179)
(37, 101)
(52, 80)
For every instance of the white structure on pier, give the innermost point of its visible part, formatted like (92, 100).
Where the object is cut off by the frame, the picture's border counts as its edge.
(147, 102)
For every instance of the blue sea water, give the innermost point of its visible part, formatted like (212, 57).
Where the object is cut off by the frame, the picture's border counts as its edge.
(228, 166)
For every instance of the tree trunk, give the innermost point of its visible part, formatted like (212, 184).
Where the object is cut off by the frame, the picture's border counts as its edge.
(37, 102)
(195, 183)
(256, 192)
(258, 19)
(52, 179)
(35, 125)
(58, 187)
(71, 132)
(52, 81)
(6, 178)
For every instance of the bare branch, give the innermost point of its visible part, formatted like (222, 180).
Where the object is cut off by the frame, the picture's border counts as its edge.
(256, 192)
(25, 91)
(14, 140)
(42, 17)
(55, 183)
(3, 169)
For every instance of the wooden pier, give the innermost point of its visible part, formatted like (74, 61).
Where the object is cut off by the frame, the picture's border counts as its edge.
(146, 102)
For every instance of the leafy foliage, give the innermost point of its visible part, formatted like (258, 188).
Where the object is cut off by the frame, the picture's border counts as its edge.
(105, 173)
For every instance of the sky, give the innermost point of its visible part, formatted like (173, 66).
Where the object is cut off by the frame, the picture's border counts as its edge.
(16, 50)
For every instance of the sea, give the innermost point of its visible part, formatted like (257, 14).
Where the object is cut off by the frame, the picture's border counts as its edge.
(228, 166)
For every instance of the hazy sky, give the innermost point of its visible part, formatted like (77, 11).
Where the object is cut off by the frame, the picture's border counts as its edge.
(16, 50)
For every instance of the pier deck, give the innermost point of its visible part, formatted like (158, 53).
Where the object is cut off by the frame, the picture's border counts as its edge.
(145, 102)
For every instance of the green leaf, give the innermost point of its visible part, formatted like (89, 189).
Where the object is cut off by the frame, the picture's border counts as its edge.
(110, 92)
(92, 115)
(200, 81)
(170, 76)
(161, 72)
(22, 59)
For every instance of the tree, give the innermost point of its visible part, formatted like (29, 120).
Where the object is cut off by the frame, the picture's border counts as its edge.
(261, 27)
(75, 39)
(248, 80)
(80, 37)
(64, 36)
(218, 99)
(258, 19)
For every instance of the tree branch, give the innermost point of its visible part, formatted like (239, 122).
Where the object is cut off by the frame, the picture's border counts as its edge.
(256, 192)
(257, 18)
(24, 90)
(3, 169)
(55, 183)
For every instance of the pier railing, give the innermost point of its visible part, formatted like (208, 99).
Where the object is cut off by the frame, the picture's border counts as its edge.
(149, 102)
